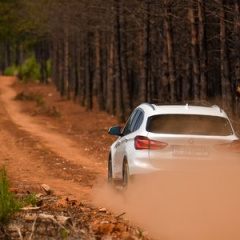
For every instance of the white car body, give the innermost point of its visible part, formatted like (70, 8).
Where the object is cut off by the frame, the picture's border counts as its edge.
(152, 141)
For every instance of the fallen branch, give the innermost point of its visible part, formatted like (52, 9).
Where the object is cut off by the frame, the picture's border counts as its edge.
(19, 232)
(60, 220)
(33, 228)
(120, 215)
(30, 208)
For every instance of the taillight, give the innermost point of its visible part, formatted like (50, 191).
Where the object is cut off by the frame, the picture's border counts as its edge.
(141, 142)
(146, 143)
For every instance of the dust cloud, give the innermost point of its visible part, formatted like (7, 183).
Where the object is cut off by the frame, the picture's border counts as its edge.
(189, 205)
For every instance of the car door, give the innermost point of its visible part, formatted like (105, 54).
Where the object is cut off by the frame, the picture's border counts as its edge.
(123, 141)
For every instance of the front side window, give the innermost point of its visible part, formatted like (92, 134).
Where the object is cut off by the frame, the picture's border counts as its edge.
(134, 122)
(189, 124)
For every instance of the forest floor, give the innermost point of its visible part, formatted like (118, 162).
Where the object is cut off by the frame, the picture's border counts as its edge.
(49, 140)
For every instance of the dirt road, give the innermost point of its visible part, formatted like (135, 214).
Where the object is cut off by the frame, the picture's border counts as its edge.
(56, 142)
(34, 152)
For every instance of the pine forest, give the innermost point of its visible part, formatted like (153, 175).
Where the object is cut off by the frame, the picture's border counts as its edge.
(119, 53)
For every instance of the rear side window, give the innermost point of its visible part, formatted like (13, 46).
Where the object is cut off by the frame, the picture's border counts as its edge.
(129, 125)
(134, 122)
(132, 127)
(189, 124)
(139, 121)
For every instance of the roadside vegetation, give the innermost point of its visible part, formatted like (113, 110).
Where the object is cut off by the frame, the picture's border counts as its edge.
(30, 96)
(9, 203)
(27, 72)
(41, 107)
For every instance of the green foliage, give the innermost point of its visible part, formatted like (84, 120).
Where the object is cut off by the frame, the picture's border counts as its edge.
(64, 234)
(11, 71)
(140, 233)
(49, 67)
(8, 204)
(31, 199)
(8, 19)
(30, 70)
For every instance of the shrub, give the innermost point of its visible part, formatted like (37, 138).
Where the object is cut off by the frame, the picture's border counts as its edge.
(11, 71)
(8, 204)
(32, 97)
(29, 70)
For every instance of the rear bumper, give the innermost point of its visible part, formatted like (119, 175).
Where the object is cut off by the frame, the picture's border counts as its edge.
(224, 162)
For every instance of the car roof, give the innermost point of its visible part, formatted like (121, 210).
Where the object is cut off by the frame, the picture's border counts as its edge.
(153, 109)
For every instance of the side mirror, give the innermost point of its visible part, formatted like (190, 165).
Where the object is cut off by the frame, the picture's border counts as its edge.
(115, 131)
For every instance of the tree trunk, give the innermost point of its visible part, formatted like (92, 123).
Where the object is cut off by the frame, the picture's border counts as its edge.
(225, 71)
(76, 54)
(54, 60)
(186, 81)
(82, 70)
(98, 72)
(42, 55)
(118, 66)
(171, 63)
(17, 61)
(144, 89)
(73, 68)
(66, 58)
(110, 77)
(124, 65)
(237, 55)
(195, 66)
(89, 72)
(163, 93)
(8, 54)
(60, 61)
(202, 50)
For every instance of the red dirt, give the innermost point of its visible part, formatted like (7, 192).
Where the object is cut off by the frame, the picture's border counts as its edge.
(69, 153)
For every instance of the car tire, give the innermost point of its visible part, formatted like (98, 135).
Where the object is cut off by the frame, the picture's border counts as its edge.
(125, 174)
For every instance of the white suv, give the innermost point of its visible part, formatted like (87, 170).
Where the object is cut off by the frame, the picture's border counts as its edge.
(164, 137)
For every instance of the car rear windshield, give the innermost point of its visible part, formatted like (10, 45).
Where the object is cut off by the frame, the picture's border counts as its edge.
(189, 124)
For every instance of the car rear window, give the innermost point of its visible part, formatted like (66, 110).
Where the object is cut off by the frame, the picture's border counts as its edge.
(189, 124)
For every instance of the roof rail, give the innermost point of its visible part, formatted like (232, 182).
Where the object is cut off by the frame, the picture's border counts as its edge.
(217, 107)
(150, 105)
